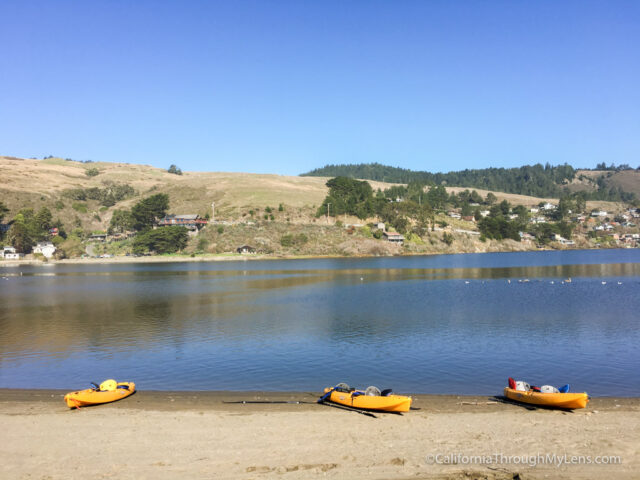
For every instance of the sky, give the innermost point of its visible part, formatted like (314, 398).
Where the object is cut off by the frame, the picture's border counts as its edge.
(287, 86)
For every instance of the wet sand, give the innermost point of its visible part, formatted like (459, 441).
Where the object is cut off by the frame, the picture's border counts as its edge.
(165, 435)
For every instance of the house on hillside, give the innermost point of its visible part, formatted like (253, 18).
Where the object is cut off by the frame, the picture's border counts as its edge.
(98, 237)
(192, 222)
(245, 249)
(9, 253)
(560, 239)
(393, 237)
(45, 248)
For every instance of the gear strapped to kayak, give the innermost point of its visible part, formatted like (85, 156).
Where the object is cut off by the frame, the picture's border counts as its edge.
(369, 399)
(545, 396)
(107, 391)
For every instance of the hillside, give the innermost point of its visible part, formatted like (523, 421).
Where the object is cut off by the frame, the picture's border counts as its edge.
(248, 204)
(36, 183)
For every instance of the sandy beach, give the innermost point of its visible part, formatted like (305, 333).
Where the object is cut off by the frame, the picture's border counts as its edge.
(166, 435)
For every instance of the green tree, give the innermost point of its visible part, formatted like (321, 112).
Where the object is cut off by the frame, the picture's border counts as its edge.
(350, 196)
(146, 211)
(3, 211)
(43, 221)
(121, 221)
(19, 234)
(161, 240)
(175, 170)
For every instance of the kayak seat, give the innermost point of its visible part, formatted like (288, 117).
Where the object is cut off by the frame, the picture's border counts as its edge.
(124, 387)
(386, 392)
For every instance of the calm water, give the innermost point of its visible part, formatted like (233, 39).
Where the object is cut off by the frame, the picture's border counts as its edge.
(440, 324)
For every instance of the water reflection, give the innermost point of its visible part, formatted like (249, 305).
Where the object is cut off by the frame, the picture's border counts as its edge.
(413, 325)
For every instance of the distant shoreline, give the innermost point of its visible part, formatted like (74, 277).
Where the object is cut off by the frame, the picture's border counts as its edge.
(238, 257)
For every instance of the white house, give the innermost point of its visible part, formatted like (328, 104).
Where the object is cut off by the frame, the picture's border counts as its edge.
(393, 237)
(562, 240)
(9, 253)
(45, 248)
(484, 213)
(599, 213)
(549, 206)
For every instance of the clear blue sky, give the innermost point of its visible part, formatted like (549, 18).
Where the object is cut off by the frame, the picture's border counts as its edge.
(287, 86)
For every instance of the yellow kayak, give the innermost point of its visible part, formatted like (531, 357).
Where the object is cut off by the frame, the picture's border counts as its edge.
(107, 391)
(558, 400)
(359, 399)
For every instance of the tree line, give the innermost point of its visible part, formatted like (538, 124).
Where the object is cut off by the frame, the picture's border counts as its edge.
(532, 180)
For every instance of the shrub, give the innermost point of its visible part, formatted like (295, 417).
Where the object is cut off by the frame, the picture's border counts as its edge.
(79, 207)
(220, 229)
(286, 240)
(58, 205)
(203, 243)
(290, 240)
(281, 208)
(447, 238)
(92, 172)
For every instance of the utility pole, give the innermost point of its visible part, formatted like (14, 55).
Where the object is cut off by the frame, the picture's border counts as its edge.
(213, 212)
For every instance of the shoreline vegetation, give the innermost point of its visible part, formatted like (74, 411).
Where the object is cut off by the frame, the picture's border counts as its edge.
(165, 435)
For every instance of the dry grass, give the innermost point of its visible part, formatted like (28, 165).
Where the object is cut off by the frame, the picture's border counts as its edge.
(37, 183)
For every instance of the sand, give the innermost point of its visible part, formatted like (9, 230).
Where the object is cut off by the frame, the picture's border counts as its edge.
(166, 435)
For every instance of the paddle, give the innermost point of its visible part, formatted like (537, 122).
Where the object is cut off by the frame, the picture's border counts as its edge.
(350, 409)
(326, 395)
(295, 402)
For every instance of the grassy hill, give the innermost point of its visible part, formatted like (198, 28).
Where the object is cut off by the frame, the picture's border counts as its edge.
(248, 200)
(36, 183)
